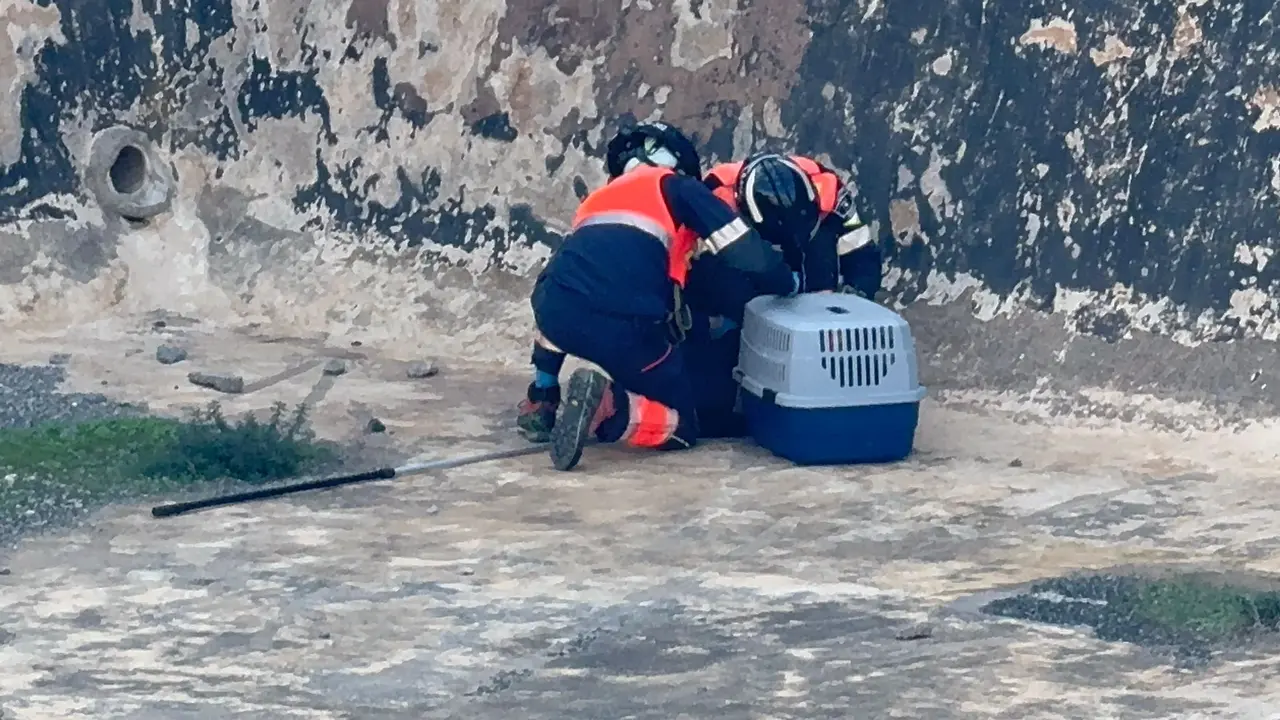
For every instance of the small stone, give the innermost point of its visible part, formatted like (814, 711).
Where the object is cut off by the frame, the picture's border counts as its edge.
(422, 369)
(170, 354)
(375, 426)
(231, 384)
(1016, 462)
(4, 571)
(433, 510)
(335, 367)
(60, 358)
(324, 636)
(919, 631)
(468, 572)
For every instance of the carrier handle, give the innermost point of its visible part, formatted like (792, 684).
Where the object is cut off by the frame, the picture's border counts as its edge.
(766, 395)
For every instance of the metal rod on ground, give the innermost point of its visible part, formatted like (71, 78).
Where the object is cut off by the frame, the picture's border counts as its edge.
(381, 474)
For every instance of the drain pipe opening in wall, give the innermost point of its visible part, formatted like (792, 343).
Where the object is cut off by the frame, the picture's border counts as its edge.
(129, 177)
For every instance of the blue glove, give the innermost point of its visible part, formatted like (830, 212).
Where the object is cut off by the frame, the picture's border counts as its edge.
(722, 327)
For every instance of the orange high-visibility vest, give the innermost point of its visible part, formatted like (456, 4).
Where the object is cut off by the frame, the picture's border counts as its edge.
(635, 200)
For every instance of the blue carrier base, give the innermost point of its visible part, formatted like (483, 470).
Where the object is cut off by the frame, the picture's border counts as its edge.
(860, 434)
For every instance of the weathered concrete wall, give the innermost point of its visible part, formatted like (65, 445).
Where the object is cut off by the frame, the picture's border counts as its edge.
(399, 168)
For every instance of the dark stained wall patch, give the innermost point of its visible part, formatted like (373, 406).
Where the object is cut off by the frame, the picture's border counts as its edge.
(495, 127)
(420, 216)
(269, 93)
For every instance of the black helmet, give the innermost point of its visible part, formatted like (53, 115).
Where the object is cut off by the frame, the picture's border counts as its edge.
(653, 143)
(778, 199)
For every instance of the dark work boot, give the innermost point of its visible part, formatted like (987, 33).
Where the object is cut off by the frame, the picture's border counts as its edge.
(537, 413)
(587, 403)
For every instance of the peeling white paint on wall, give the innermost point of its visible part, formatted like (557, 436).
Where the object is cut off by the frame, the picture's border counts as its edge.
(1113, 51)
(935, 188)
(703, 37)
(1255, 256)
(26, 28)
(1256, 311)
(537, 94)
(1033, 226)
(1266, 101)
(464, 35)
(1186, 34)
(942, 64)
(943, 290)
(771, 119)
(1057, 34)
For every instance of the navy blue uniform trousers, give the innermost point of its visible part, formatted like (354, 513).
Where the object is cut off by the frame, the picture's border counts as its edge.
(710, 362)
(635, 351)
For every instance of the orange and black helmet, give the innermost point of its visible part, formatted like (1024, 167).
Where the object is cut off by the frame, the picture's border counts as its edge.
(652, 143)
(778, 199)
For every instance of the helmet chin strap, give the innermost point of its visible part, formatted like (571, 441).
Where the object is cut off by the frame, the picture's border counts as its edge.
(656, 157)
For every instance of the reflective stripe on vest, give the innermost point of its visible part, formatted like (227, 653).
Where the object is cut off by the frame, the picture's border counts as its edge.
(635, 200)
(630, 219)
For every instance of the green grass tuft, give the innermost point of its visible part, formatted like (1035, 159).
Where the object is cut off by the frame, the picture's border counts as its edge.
(208, 447)
(54, 472)
(1195, 606)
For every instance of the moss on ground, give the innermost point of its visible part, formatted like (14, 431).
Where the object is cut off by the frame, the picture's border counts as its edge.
(1192, 615)
(58, 471)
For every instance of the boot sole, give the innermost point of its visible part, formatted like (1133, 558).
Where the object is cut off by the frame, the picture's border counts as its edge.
(569, 437)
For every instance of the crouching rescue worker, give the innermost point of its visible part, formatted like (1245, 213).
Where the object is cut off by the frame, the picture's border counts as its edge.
(809, 213)
(805, 210)
(612, 295)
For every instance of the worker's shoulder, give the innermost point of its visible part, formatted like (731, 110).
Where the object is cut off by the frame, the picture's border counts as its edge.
(683, 185)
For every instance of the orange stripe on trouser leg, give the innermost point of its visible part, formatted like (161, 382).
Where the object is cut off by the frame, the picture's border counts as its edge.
(650, 424)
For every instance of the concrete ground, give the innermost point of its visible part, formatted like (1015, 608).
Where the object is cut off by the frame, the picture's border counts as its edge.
(715, 583)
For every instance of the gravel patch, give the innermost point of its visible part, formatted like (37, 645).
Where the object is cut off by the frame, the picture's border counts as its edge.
(29, 396)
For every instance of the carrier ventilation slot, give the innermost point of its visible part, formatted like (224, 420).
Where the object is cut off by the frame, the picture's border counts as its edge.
(775, 338)
(858, 357)
(764, 370)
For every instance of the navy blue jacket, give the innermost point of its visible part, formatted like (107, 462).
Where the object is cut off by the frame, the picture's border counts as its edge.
(622, 271)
